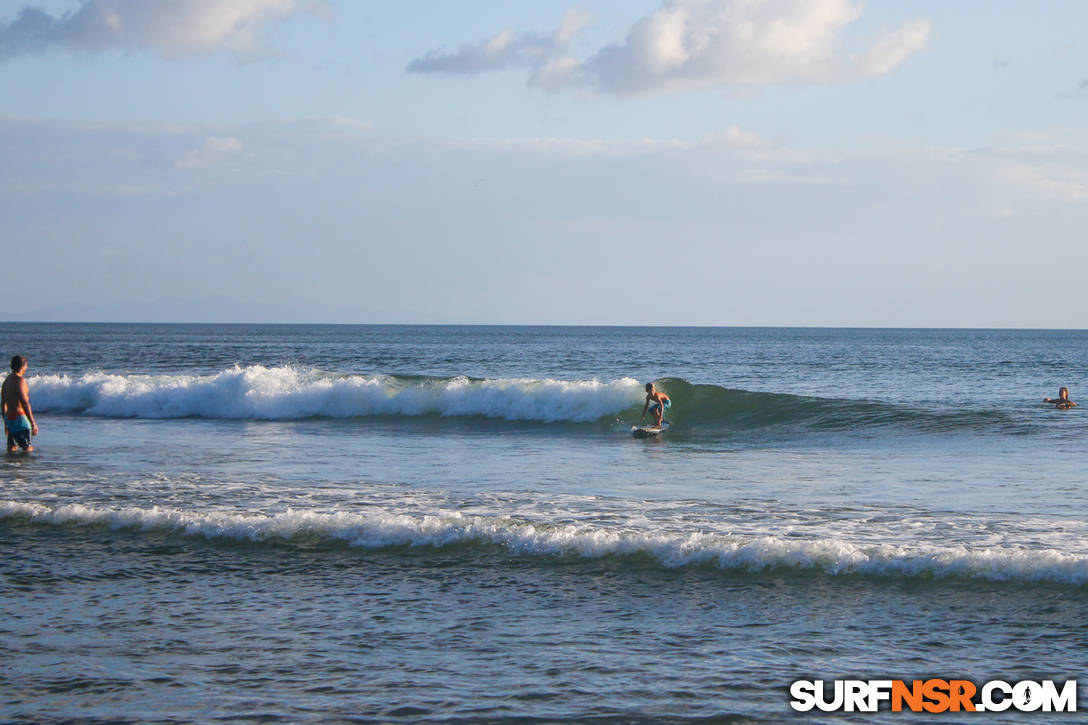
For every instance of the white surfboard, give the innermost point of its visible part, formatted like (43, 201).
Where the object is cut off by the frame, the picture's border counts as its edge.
(649, 431)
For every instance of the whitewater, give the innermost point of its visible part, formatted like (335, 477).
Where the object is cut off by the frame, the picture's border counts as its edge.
(270, 393)
(755, 551)
(333, 523)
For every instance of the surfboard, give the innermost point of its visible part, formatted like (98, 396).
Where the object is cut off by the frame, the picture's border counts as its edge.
(649, 431)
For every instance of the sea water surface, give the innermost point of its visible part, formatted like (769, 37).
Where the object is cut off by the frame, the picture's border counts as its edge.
(393, 523)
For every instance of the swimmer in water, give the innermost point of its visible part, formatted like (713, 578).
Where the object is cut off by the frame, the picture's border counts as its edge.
(1062, 402)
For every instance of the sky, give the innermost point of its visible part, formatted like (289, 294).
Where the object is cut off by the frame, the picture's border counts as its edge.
(644, 162)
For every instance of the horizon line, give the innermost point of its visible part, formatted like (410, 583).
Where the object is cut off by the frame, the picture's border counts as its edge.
(547, 324)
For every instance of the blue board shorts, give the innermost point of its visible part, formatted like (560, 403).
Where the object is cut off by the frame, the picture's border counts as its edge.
(657, 406)
(18, 432)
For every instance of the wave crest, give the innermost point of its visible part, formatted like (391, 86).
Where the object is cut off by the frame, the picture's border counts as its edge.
(258, 392)
(385, 529)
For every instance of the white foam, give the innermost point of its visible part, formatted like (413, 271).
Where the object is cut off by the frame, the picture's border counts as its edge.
(383, 528)
(286, 392)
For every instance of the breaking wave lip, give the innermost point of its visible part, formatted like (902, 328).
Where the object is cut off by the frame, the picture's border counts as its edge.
(257, 392)
(517, 536)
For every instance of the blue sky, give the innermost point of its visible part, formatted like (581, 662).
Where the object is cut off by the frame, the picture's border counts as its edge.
(710, 162)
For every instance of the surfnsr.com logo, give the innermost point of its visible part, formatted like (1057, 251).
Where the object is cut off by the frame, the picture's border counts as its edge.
(933, 695)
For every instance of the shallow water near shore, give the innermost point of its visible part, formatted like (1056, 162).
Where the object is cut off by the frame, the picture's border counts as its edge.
(323, 523)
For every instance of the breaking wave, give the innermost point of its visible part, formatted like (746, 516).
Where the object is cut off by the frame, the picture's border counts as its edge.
(278, 393)
(523, 537)
(284, 392)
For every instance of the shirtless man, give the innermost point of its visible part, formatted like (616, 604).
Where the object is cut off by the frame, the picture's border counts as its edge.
(1062, 402)
(19, 422)
(660, 400)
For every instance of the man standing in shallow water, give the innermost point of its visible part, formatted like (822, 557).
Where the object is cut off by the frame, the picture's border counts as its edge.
(19, 422)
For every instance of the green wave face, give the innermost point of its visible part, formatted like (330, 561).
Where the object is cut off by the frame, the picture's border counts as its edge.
(706, 409)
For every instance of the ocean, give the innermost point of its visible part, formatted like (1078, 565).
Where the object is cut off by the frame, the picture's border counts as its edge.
(307, 523)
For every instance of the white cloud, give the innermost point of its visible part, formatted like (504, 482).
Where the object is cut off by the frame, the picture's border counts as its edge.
(213, 150)
(701, 44)
(1050, 182)
(892, 49)
(501, 50)
(707, 43)
(508, 48)
(1041, 166)
(753, 147)
(735, 137)
(575, 20)
(173, 28)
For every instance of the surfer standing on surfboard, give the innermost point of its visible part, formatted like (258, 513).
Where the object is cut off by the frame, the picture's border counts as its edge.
(661, 402)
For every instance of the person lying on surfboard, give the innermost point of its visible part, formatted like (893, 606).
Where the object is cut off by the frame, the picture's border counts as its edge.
(661, 403)
(1062, 402)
